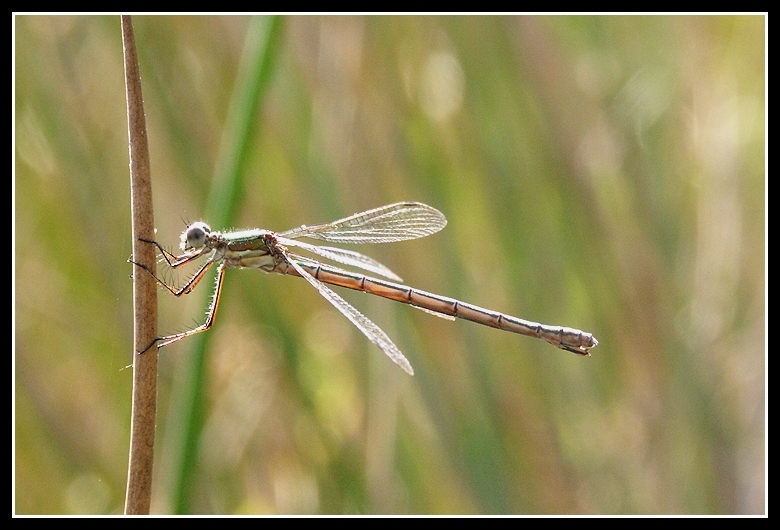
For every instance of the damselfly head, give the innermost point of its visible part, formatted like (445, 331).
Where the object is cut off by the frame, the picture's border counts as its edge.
(195, 236)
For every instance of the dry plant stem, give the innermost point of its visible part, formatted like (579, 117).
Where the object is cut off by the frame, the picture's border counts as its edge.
(139, 476)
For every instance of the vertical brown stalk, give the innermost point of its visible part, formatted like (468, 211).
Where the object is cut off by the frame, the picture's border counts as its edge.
(139, 477)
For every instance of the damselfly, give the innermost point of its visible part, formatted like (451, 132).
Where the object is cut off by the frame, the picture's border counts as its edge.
(268, 251)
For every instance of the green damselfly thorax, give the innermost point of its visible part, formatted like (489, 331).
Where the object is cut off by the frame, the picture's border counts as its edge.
(268, 251)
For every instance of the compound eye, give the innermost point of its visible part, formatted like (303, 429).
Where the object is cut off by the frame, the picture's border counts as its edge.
(195, 236)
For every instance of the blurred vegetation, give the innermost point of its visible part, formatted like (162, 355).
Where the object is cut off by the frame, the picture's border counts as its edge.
(605, 173)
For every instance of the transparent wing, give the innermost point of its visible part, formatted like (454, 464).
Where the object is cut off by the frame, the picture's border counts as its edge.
(368, 328)
(347, 257)
(387, 224)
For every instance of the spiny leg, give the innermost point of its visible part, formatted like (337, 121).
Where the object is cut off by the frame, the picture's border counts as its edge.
(188, 287)
(177, 262)
(173, 260)
(193, 282)
(210, 316)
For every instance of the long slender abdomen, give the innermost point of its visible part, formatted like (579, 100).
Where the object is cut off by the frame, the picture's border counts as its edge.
(569, 339)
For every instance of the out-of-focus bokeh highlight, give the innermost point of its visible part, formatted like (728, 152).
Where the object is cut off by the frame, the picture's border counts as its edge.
(605, 173)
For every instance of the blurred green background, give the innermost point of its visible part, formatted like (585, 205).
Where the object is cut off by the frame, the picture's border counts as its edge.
(605, 173)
